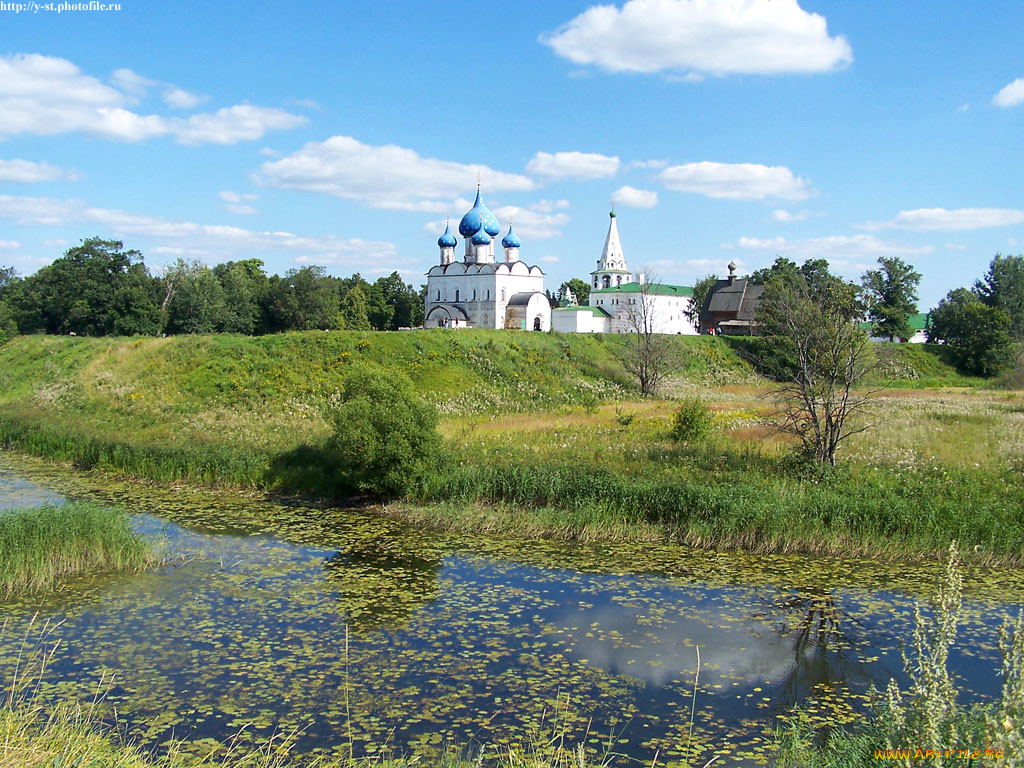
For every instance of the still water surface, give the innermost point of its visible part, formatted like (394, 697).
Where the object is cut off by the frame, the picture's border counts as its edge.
(286, 618)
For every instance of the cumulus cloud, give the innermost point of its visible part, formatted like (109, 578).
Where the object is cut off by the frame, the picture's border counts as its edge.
(847, 253)
(27, 172)
(1011, 94)
(178, 98)
(788, 217)
(132, 82)
(9, 244)
(736, 181)
(239, 203)
(385, 176)
(231, 125)
(701, 36)
(189, 238)
(49, 96)
(635, 198)
(138, 86)
(946, 220)
(532, 223)
(576, 166)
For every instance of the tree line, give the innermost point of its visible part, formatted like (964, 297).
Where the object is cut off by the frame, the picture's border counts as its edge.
(981, 327)
(99, 288)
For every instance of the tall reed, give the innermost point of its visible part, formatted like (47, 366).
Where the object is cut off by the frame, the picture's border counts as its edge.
(41, 547)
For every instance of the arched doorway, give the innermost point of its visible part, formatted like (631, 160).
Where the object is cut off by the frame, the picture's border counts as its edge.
(536, 323)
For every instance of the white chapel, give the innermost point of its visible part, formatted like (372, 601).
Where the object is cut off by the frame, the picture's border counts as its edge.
(479, 291)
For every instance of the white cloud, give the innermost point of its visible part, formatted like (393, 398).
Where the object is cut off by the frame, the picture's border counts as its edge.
(1011, 94)
(576, 166)
(788, 217)
(231, 125)
(548, 259)
(645, 164)
(27, 172)
(192, 239)
(848, 254)
(533, 222)
(49, 96)
(385, 176)
(547, 206)
(178, 98)
(635, 198)
(955, 220)
(242, 208)
(132, 82)
(736, 181)
(9, 244)
(963, 107)
(701, 36)
(234, 197)
(57, 243)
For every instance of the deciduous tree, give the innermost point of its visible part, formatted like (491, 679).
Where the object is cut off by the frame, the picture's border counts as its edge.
(701, 289)
(648, 356)
(890, 295)
(820, 356)
(1003, 287)
(580, 289)
(976, 334)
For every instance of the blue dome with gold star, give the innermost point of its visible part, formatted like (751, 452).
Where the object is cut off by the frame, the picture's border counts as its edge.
(479, 217)
(447, 240)
(511, 240)
(481, 237)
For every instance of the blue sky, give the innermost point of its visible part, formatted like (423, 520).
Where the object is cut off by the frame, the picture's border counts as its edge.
(343, 133)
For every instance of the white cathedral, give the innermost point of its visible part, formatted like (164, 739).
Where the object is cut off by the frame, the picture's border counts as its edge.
(479, 292)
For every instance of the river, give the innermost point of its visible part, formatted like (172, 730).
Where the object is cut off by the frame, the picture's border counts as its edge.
(334, 626)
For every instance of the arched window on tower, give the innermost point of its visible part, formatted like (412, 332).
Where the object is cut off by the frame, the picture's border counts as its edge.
(502, 294)
(474, 294)
(456, 294)
(606, 280)
(618, 280)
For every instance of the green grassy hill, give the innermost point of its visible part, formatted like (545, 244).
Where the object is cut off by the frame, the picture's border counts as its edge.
(220, 408)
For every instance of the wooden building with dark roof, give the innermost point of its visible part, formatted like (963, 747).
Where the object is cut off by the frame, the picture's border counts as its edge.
(731, 306)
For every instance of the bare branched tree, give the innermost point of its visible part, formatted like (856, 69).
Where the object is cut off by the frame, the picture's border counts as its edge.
(649, 356)
(825, 357)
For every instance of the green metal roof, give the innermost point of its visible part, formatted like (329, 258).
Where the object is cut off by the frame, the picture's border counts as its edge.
(660, 289)
(599, 311)
(917, 322)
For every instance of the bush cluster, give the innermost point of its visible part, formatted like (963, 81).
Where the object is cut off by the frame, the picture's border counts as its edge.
(692, 422)
(384, 434)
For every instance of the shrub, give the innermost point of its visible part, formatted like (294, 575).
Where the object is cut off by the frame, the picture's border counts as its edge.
(384, 433)
(692, 422)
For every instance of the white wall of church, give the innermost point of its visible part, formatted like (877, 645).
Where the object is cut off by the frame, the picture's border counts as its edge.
(579, 320)
(667, 313)
(481, 291)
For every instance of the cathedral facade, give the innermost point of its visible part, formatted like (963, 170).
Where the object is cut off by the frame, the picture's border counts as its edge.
(479, 291)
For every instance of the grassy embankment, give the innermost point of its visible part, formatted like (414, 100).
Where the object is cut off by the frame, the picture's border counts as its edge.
(40, 548)
(528, 445)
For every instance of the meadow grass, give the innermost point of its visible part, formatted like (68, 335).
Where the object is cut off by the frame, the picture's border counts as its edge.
(41, 547)
(540, 433)
(936, 467)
